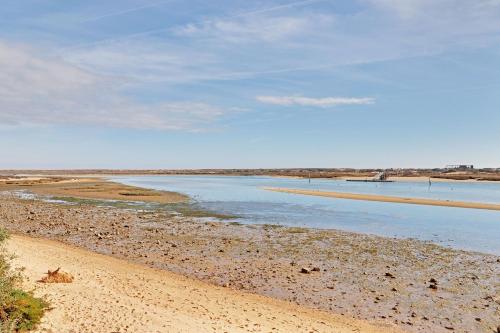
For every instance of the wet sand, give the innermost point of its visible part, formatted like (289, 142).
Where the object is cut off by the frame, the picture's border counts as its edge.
(385, 281)
(384, 198)
(90, 188)
(112, 295)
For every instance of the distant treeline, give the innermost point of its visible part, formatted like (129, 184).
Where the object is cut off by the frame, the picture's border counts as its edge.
(477, 174)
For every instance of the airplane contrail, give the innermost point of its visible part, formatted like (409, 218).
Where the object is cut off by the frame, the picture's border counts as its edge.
(153, 31)
(270, 9)
(126, 11)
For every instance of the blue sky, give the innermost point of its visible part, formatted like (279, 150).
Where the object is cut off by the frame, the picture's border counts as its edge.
(222, 84)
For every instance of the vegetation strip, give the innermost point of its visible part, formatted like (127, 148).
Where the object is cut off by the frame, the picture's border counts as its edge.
(20, 311)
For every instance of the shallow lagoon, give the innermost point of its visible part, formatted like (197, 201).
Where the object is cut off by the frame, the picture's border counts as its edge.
(471, 229)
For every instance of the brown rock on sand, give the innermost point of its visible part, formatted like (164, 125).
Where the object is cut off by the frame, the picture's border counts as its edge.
(57, 276)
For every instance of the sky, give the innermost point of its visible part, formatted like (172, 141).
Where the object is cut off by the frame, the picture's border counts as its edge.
(249, 84)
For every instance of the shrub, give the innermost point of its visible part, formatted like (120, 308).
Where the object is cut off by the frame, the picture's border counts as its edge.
(20, 311)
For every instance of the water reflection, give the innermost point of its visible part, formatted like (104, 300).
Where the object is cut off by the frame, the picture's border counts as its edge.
(243, 196)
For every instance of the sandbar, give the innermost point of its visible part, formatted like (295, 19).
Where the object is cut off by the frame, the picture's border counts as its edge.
(384, 198)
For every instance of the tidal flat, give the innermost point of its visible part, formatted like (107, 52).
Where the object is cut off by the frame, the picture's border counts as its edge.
(418, 286)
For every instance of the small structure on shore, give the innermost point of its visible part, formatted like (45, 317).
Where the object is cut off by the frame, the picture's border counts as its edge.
(381, 177)
(461, 167)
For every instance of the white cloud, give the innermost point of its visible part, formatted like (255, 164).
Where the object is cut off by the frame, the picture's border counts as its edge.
(248, 29)
(147, 60)
(43, 91)
(316, 102)
(292, 37)
(255, 28)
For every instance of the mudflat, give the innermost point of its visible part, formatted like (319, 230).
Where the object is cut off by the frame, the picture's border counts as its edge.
(417, 286)
(90, 188)
(384, 198)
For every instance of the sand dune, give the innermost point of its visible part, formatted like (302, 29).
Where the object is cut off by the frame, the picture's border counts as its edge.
(383, 198)
(111, 295)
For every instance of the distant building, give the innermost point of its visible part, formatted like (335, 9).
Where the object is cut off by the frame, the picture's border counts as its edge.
(460, 167)
(381, 176)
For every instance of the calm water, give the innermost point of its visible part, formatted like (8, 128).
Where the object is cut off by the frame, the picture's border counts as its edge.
(471, 229)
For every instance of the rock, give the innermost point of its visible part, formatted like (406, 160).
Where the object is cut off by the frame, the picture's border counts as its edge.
(390, 275)
(433, 280)
(305, 270)
(315, 269)
(498, 329)
(433, 286)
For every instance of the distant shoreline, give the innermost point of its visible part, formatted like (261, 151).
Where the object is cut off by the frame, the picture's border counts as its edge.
(439, 179)
(486, 174)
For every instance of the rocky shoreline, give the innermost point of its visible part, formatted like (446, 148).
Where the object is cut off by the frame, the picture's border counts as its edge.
(417, 286)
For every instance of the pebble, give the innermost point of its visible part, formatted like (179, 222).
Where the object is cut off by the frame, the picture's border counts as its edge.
(331, 281)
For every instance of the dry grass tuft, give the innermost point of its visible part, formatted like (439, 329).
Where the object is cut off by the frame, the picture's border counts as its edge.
(57, 277)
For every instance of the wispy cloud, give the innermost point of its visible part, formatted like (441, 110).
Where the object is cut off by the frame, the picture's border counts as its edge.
(177, 29)
(315, 102)
(247, 30)
(295, 36)
(278, 7)
(259, 24)
(42, 91)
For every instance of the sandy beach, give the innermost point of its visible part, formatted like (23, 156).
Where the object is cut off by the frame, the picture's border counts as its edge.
(383, 198)
(112, 295)
(295, 166)
(381, 280)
